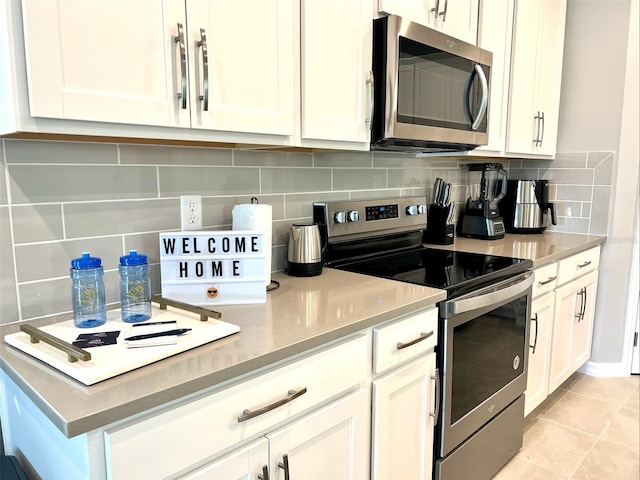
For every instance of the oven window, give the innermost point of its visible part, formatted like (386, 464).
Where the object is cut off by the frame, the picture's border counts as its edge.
(488, 353)
(431, 87)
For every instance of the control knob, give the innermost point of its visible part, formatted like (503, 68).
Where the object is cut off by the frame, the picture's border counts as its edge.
(353, 216)
(340, 217)
(415, 209)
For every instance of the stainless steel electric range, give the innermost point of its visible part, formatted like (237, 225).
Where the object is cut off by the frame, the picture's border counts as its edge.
(483, 325)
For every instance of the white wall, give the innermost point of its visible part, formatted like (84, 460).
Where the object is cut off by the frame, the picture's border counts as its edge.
(599, 111)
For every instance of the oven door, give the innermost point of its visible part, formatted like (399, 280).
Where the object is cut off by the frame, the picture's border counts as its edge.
(483, 356)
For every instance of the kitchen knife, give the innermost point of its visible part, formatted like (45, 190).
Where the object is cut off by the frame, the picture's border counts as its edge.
(437, 191)
(452, 207)
(446, 194)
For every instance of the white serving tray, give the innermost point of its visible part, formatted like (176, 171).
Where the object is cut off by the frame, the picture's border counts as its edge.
(111, 360)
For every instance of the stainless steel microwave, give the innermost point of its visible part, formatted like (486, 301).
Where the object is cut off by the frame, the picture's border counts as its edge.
(430, 91)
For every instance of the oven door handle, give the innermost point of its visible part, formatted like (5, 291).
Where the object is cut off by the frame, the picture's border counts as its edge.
(488, 299)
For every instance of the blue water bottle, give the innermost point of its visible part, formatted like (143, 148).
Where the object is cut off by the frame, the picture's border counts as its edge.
(135, 287)
(87, 291)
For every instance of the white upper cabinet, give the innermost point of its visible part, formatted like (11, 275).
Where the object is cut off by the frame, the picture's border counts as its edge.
(495, 27)
(458, 18)
(241, 65)
(536, 74)
(146, 63)
(336, 88)
(105, 60)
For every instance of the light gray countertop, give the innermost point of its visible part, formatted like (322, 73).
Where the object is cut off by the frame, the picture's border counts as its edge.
(542, 248)
(304, 313)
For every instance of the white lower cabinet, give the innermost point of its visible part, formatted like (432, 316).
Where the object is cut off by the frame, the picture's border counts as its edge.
(403, 422)
(325, 444)
(573, 327)
(539, 351)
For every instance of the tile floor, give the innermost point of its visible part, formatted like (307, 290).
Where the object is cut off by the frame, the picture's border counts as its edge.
(587, 429)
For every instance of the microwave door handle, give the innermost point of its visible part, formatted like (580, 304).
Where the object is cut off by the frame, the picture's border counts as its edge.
(485, 97)
(488, 299)
(465, 99)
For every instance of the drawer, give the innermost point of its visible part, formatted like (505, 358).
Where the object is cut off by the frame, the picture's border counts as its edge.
(404, 339)
(546, 279)
(577, 265)
(191, 433)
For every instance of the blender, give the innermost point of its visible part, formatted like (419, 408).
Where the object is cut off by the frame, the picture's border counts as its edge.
(487, 186)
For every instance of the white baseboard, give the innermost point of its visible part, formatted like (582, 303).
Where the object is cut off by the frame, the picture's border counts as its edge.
(605, 369)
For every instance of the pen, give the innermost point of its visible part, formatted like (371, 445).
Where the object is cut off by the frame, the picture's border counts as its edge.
(154, 323)
(178, 331)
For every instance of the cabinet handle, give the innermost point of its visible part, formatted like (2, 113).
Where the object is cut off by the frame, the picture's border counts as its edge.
(541, 127)
(443, 14)
(436, 9)
(265, 473)
(179, 39)
(580, 314)
(423, 336)
(436, 378)
(370, 84)
(535, 338)
(537, 141)
(205, 69)
(584, 304)
(549, 280)
(291, 395)
(284, 464)
(585, 264)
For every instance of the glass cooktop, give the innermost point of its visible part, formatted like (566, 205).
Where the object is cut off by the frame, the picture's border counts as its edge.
(455, 272)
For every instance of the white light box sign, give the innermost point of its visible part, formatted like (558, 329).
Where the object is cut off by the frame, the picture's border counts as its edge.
(213, 268)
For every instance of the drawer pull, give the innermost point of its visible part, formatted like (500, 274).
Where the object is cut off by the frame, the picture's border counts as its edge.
(284, 464)
(436, 378)
(265, 473)
(582, 265)
(423, 336)
(551, 279)
(535, 340)
(291, 395)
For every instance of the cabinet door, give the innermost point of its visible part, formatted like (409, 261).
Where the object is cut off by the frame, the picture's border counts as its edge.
(587, 289)
(539, 351)
(403, 401)
(550, 58)
(536, 73)
(247, 82)
(458, 18)
(573, 327)
(332, 442)
(418, 11)
(245, 463)
(336, 70)
(105, 60)
(566, 307)
(522, 128)
(494, 34)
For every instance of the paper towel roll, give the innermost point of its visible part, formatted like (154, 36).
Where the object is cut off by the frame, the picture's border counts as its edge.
(254, 216)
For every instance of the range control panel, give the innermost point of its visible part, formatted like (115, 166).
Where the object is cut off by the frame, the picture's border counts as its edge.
(361, 218)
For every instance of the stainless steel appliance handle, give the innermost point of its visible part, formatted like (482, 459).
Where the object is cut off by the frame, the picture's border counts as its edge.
(284, 464)
(205, 69)
(436, 412)
(179, 39)
(484, 89)
(291, 395)
(488, 299)
(535, 338)
(423, 336)
(485, 96)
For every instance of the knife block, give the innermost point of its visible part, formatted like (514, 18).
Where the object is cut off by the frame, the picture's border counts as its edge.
(438, 231)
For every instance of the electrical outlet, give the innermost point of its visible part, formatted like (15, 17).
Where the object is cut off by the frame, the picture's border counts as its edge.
(190, 212)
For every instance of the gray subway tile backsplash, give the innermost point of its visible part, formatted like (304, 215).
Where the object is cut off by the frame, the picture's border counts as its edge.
(70, 197)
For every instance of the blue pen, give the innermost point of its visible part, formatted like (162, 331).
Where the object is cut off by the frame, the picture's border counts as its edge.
(178, 331)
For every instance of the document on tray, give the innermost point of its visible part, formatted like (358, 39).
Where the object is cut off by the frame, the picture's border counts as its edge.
(153, 334)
